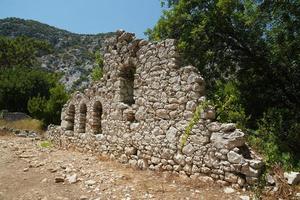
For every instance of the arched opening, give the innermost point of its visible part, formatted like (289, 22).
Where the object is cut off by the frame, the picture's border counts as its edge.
(127, 84)
(70, 118)
(96, 118)
(82, 118)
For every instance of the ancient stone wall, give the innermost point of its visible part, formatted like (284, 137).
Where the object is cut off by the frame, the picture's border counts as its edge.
(138, 112)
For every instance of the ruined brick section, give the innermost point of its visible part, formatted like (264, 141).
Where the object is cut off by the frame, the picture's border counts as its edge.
(138, 112)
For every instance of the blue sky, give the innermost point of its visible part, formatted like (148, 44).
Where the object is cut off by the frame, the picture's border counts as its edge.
(87, 16)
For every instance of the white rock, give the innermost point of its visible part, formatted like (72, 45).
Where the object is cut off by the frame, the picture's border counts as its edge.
(83, 198)
(72, 179)
(293, 178)
(214, 127)
(230, 177)
(155, 160)
(201, 140)
(249, 171)
(244, 197)
(206, 179)
(123, 158)
(179, 159)
(228, 141)
(228, 127)
(142, 164)
(44, 180)
(130, 151)
(229, 190)
(171, 134)
(188, 149)
(132, 163)
(90, 182)
(235, 158)
(256, 164)
(270, 179)
(191, 105)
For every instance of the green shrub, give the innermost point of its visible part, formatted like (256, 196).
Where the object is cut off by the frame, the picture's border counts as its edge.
(48, 110)
(97, 72)
(278, 138)
(19, 84)
(227, 102)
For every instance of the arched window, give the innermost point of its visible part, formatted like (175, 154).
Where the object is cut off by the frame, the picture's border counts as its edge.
(82, 118)
(70, 118)
(96, 118)
(127, 84)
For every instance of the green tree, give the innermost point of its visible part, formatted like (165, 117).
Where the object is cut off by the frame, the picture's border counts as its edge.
(21, 51)
(218, 37)
(18, 84)
(227, 102)
(48, 110)
(254, 44)
(36, 106)
(23, 86)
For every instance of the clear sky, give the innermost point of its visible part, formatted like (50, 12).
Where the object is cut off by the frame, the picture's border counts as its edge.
(87, 16)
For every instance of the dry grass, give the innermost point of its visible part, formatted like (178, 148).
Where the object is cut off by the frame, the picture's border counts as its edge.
(25, 124)
(284, 190)
(5, 133)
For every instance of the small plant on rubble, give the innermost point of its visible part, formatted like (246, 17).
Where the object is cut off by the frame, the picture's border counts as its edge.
(46, 144)
(196, 117)
(97, 72)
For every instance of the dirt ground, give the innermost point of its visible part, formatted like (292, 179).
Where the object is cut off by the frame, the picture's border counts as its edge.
(31, 172)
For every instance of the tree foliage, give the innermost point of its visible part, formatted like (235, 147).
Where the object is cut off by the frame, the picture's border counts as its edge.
(228, 105)
(26, 88)
(216, 36)
(49, 109)
(254, 44)
(21, 51)
(18, 84)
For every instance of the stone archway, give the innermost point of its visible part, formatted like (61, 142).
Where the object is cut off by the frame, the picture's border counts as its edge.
(82, 118)
(96, 118)
(70, 118)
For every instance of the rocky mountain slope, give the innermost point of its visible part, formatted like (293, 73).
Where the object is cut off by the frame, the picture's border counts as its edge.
(73, 54)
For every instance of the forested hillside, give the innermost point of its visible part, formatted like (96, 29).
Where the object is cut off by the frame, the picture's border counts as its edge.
(40, 65)
(72, 55)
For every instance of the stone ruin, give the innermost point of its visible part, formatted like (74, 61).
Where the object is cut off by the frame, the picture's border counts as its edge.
(138, 112)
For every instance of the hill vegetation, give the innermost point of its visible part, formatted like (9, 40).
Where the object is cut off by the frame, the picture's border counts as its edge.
(72, 54)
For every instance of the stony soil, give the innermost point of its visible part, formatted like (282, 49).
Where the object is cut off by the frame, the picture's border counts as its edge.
(31, 172)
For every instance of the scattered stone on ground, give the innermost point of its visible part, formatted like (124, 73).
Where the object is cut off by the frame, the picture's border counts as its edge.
(244, 197)
(66, 175)
(229, 190)
(293, 178)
